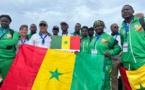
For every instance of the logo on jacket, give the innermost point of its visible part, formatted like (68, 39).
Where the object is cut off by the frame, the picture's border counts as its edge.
(9, 36)
(105, 40)
(138, 28)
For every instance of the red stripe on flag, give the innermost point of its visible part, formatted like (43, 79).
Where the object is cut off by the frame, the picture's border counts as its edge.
(75, 43)
(24, 68)
(125, 79)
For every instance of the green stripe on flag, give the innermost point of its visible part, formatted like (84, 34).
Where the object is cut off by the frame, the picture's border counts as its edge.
(88, 72)
(56, 42)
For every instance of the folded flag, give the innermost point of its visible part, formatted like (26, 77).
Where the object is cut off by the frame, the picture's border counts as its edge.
(66, 42)
(135, 79)
(37, 68)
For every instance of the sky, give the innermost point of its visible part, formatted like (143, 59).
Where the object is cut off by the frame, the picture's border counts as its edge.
(70, 11)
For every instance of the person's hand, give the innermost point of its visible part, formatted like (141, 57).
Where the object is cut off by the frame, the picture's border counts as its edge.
(19, 45)
(120, 54)
(107, 54)
(9, 47)
(76, 52)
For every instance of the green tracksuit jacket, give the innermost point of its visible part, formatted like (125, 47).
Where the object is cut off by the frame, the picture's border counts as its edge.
(74, 34)
(84, 48)
(104, 44)
(135, 40)
(8, 40)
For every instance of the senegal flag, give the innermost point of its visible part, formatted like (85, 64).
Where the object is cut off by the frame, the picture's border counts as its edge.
(135, 79)
(66, 42)
(37, 68)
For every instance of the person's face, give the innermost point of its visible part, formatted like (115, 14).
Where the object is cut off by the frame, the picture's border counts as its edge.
(91, 32)
(33, 28)
(55, 32)
(98, 28)
(84, 32)
(43, 28)
(114, 28)
(23, 32)
(127, 12)
(64, 27)
(77, 27)
(4, 22)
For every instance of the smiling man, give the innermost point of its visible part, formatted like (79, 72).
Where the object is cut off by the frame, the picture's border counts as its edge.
(43, 38)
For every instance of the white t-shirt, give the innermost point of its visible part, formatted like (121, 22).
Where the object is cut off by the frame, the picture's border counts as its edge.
(36, 40)
(118, 39)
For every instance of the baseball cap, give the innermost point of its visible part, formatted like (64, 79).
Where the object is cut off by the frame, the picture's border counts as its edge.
(55, 28)
(43, 22)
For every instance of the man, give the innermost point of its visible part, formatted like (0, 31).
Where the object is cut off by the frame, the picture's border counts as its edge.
(116, 60)
(43, 39)
(64, 28)
(55, 30)
(133, 43)
(8, 40)
(77, 30)
(33, 29)
(91, 33)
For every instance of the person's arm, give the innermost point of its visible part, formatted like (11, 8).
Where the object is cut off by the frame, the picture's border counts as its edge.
(10, 42)
(115, 48)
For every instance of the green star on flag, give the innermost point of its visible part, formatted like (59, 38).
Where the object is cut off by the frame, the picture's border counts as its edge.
(55, 74)
(65, 42)
(141, 87)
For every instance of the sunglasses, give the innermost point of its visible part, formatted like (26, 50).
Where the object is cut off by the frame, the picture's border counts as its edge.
(116, 27)
(43, 25)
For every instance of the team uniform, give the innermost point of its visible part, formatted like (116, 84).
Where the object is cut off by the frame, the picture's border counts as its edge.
(84, 48)
(7, 49)
(101, 44)
(133, 44)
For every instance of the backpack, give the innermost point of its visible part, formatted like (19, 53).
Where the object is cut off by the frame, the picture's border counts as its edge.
(142, 22)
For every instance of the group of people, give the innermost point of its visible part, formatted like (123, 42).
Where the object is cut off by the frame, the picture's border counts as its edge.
(126, 47)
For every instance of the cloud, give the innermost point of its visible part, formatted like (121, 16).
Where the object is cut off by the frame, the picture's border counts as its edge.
(71, 11)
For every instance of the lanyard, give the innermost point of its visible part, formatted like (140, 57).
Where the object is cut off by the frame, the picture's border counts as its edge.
(23, 41)
(3, 33)
(126, 30)
(43, 38)
(116, 36)
(97, 38)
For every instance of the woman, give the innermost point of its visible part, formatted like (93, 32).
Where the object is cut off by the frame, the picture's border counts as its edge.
(23, 36)
(8, 40)
(104, 44)
(85, 40)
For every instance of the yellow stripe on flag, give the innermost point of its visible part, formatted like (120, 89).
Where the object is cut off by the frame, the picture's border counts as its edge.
(65, 42)
(137, 78)
(56, 71)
